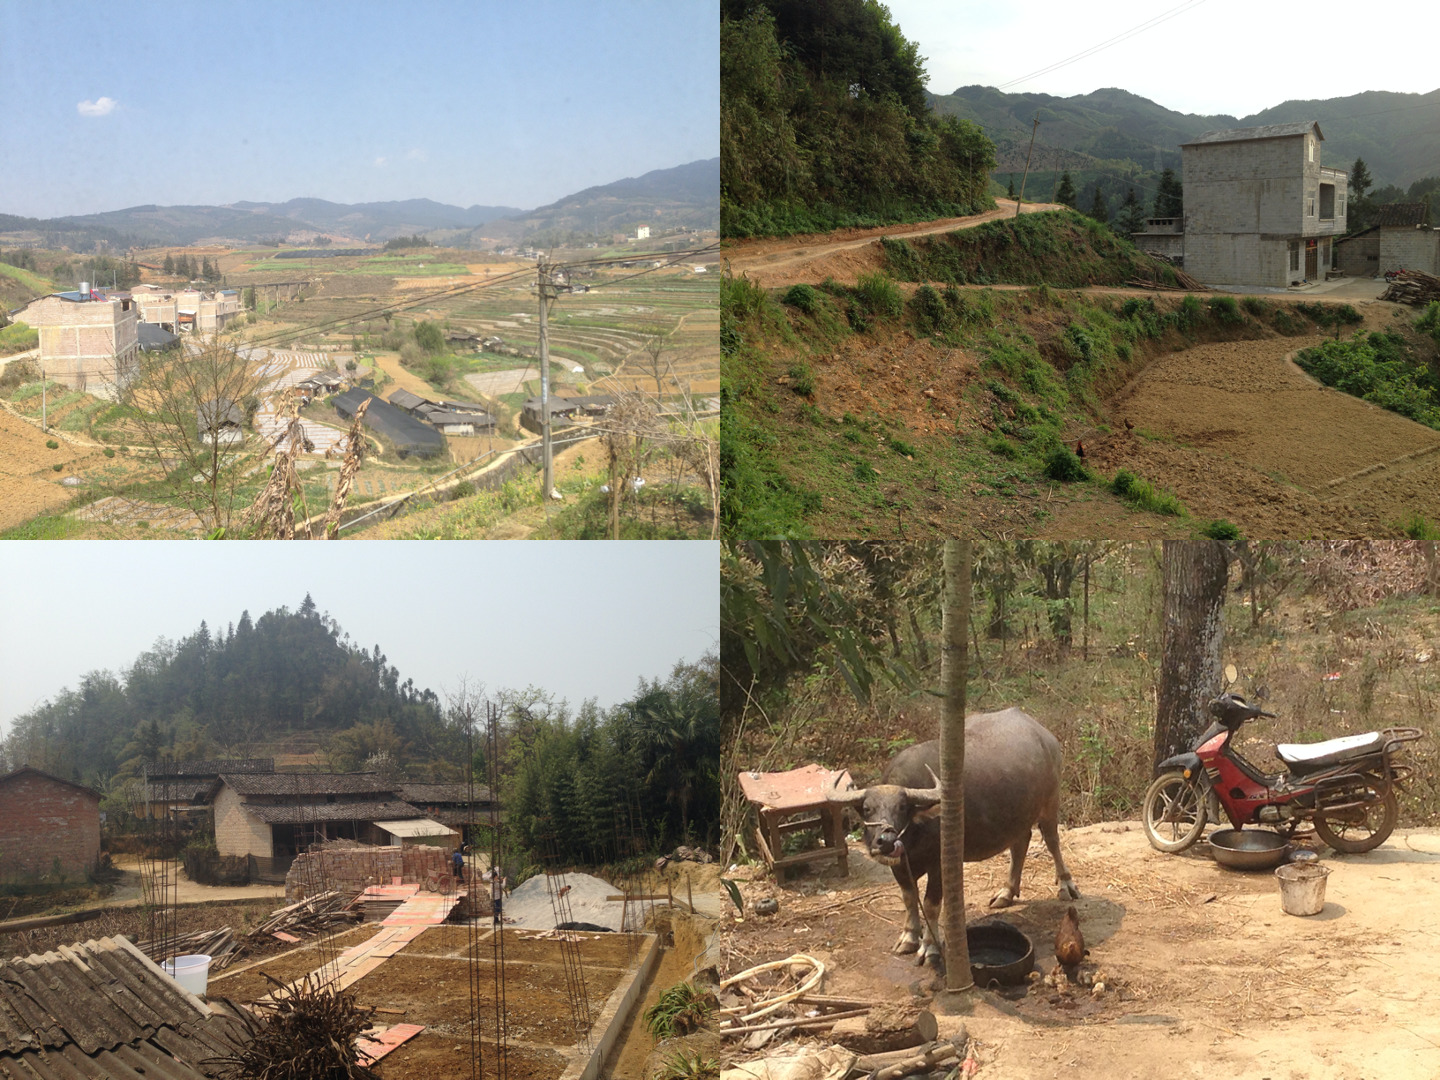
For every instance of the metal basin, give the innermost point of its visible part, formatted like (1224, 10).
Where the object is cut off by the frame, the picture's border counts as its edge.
(999, 953)
(1248, 849)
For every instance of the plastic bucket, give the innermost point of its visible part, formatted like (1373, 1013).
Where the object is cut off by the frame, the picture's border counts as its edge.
(192, 972)
(1302, 887)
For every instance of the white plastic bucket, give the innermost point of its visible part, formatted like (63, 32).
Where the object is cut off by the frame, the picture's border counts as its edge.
(1302, 887)
(192, 971)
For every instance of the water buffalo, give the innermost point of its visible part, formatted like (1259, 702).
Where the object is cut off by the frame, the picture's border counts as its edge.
(1012, 783)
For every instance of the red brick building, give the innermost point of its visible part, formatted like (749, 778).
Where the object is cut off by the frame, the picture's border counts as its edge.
(47, 824)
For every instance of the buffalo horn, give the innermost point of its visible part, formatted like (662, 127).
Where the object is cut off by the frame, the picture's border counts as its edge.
(851, 796)
(923, 798)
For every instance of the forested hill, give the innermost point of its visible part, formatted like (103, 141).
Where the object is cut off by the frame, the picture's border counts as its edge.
(251, 683)
(1394, 133)
(824, 123)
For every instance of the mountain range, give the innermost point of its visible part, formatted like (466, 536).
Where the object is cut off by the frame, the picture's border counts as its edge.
(1396, 134)
(685, 195)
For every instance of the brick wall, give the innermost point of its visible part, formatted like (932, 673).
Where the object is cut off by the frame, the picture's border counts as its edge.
(352, 869)
(1409, 249)
(236, 832)
(44, 822)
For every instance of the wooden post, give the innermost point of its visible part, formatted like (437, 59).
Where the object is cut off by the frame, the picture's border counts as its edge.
(954, 668)
(1021, 197)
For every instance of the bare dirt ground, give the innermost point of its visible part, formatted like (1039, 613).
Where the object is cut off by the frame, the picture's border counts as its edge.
(28, 484)
(844, 253)
(1206, 975)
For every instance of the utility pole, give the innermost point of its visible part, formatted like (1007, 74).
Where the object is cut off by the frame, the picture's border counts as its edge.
(547, 482)
(1021, 196)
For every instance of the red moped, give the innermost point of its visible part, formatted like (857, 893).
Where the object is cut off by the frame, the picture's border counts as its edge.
(1344, 787)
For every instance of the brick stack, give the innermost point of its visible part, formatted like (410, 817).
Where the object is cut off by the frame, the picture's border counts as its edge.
(352, 869)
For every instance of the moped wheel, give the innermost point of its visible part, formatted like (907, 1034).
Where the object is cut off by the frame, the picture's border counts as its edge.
(1174, 812)
(1361, 829)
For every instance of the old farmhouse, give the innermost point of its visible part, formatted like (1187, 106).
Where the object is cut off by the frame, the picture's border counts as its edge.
(179, 788)
(275, 816)
(48, 827)
(1260, 208)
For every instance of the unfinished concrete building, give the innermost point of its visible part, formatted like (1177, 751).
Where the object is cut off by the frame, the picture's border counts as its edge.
(88, 341)
(1260, 208)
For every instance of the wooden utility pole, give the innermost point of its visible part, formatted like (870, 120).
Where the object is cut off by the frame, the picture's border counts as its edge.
(1021, 197)
(954, 667)
(547, 482)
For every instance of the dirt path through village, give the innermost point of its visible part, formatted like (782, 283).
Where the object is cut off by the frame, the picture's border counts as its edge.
(813, 258)
(1206, 975)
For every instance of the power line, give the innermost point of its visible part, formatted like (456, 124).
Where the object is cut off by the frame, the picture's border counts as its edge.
(1148, 25)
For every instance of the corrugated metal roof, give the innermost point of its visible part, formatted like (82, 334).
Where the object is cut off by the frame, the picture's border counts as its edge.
(349, 810)
(1264, 131)
(102, 1008)
(414, 827)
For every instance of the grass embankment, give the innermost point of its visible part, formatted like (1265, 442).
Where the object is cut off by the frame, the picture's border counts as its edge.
(860, 411)
(1385, 368)
(1061, 248)
(17, 337)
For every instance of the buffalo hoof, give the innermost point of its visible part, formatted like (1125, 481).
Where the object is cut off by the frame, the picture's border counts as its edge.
(1068, 891)
(936, 962)
(1003, 898)
(906, 945)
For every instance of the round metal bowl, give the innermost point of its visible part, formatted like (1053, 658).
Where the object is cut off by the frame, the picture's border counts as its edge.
(1248, 849)
(999, 953)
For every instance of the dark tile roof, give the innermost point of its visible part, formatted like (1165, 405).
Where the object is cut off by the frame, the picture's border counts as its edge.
(437, 794)
(1264, 131)
(209, 769)
(102, 1008)
(178, 789)
(404, 399)
(308, 783)
(1405, 215)
(339, 810)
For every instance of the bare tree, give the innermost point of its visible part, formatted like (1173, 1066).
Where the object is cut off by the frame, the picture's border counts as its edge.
(186, 403)
(629, 427)
(656, 342)
(1194, 573)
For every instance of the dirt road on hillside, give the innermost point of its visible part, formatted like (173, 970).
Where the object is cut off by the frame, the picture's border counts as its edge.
(813, 258)
(1205, 975)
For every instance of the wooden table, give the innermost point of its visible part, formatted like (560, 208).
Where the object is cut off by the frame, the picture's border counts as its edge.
(794, 801)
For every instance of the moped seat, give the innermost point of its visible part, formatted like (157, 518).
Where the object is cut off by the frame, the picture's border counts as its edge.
(1306, 757)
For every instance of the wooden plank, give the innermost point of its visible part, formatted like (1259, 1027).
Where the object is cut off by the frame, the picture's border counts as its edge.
(15, 925)
(807, 857)
(376, 1047)
(291, 938)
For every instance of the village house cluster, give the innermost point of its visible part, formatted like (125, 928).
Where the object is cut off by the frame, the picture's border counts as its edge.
(91, 338)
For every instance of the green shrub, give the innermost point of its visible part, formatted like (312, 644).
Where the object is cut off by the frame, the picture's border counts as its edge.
(430, 337)
(865, 473)
(1378, 367)
(108, 452)
(803, 297)
(1419, 527)
(1255, 306)
(1429, 322)
(879, 296)
(903, 448)
(802, 379)
(1064, 465)
(1144, 495)
(931, 314)
(1224, 309)
(57, 466)
(51, 444)
(1190, 312)
(678, 1011)
(1286, 322)
(1224, 531)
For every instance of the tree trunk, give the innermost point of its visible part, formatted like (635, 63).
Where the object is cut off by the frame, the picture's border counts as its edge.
(1191, 636)
(954, 666)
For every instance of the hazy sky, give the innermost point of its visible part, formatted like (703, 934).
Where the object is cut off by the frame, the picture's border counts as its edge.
(579, 619)
(461, 101)
(1212, 56)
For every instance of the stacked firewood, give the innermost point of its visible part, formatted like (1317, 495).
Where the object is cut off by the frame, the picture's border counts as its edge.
(1183, 282)
(318, 914)
(1412, 287)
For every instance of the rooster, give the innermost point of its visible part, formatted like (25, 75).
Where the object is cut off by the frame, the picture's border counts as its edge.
(1069, 942)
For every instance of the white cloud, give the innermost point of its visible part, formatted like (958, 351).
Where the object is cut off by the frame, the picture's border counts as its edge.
(417, 155)
(99, 107)
(381, 162)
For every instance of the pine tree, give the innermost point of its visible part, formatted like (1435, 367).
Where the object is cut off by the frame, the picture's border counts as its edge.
(169, 266)
(1065, 193)
(1011, 194)
(1098, 209)
(1132, 214)
(1360, 180)
(1169, 201)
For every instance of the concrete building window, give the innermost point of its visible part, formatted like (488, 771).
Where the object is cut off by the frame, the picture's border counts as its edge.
(1294, 257)
(1342, 205)
(1310, 206)
(1327, 201)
